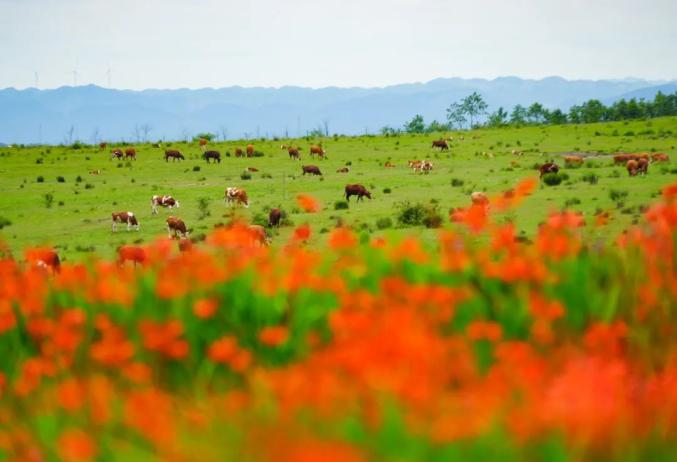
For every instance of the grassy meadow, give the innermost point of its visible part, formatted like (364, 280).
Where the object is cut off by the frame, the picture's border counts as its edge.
(77, 221)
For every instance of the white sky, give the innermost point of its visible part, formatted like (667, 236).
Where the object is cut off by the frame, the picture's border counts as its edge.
(317, 43)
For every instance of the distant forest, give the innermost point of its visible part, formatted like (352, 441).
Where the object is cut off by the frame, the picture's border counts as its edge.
(471, 112)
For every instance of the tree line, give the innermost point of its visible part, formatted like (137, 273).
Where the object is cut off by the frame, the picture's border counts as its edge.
(471, 112)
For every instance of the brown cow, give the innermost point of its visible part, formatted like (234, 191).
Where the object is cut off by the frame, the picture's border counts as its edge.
(389, 164)
(131, 253)
(124, 217)
(163, 201)
(660, 157)
(237, 196)
(642, 166)
(356, 190)
(252, 169)
(116, 153)
(216, 155)
(239, 152)
(103, 145)
(177, 226)
(317, 149)
(130, 153)
(311, 169)
(293, 152)
(250, 150)
(174, 154)
(202, 142)
(258, 235)
(548, 167)
(274, 217)
(442, 144)
(570, 161)
(343, 170)
(44, 258)
(631, 165)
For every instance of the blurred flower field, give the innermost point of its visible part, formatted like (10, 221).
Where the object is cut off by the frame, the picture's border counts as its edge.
(490, 348)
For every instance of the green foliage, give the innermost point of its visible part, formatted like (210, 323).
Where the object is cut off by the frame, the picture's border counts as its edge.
(415, 125)
(341, 205)
(204, 135)
(552, 179)
(457, 182)
(245, 175)
(4, 222)
(617, 195)
(48, 199)
(40, 179)
(590, 178)
(60, 179)
(203, 208)
(384, 223)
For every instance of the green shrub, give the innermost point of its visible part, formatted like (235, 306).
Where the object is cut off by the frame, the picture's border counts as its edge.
(48, 199)
(89, 186)
(410, 214)
(78, 179)
(552, 179)
(340, 205)
(384, 223)
(387, 190)
(590, 178)
(4, 222)
(40, 179)
(196, 168)
(245, 175)
(60, 179)
(456, 182)
(617, 195)
(203, 208)
(572, 201)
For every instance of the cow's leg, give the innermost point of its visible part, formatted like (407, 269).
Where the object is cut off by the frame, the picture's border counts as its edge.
(169, 232)
(113, 227)
(129, 225)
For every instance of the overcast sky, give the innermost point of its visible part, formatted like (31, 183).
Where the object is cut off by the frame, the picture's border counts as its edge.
(317, 43)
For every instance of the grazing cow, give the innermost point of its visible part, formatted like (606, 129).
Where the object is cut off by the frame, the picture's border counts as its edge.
(116, 154)
(237, 196)
(389, 164)
(479, 198)
(102, 146)
(124, 217)
(216, 155)
(174, 154)
(202, 143)
(415, 165)
(642, 166)
(570, 161)
(94, 172)
(311, 169)
(185, 245)
(442, 144)
(250, 150)
(293, 152)
(343, 170)
(317, 149)
(44, 258)
(660, 157)
(176, 226)
(515, 152)
(252, 169)
(163, 201)
(131, 253)
(548, 167)
(426, 167)
(274, 217)
(239, 152)
(621, 159)
(356, 190)
(631, 165)
(130, 153)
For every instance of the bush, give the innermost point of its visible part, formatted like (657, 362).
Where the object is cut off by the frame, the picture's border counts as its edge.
(590, 178)
(258, 154)
(203, 208)
(245, 175)
(341, 205)
(48, 198)
(456, 182)
(418, 214)
(39, 160)
(617, 195)
(40, 179)
(572, 201)
(552, 179)
(432, 218)
(89, 186)
(4, 222)
(387, 190)
(384, 223)
(78, 179)
(60, 179)
(196, 168)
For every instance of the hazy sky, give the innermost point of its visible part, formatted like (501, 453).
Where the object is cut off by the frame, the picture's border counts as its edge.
(213, 43)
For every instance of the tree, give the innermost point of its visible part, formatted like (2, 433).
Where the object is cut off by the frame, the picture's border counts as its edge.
(389, 131)
(146, 129)
(456, 115)
(415, 125)
(498, 118)
(206, 135)
(592, 111)
(556, 117)
(436, 126)
(518, 116)
(575, 114)
(475, 106)
(536, 113)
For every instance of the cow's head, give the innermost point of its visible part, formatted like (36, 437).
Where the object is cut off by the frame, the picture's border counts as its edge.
(368, 194)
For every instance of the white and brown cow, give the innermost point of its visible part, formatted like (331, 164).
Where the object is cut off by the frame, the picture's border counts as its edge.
(124, 217)
(237, 196)
(163, 201)
(176, 227)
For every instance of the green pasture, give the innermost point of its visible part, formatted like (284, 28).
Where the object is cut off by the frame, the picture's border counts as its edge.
(77, 222)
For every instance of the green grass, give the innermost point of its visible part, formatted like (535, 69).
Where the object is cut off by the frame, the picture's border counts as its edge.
(78, 220)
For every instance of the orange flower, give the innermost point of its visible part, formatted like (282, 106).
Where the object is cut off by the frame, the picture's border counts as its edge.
(308, 203)
(342, 238)
(205, 308)
(71, 395)
(302, 233)
(274, 335)
(76, 445)
(223, 350)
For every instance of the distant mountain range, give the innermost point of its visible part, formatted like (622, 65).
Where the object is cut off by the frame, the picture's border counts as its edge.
(46, 116)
